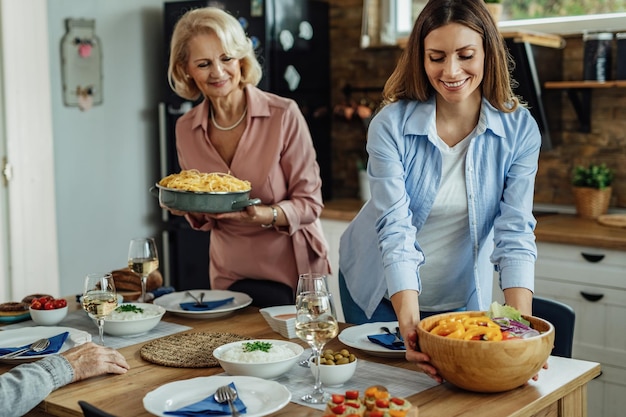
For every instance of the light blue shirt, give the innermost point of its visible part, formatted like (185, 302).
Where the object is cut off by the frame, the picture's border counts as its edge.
(378, 252)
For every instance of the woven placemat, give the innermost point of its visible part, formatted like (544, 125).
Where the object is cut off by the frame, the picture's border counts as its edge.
(187, 350)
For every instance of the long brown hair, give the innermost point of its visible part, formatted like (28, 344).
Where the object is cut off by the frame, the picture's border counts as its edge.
(409, 80)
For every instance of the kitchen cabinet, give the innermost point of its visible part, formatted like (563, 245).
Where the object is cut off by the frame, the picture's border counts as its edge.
(593, 281)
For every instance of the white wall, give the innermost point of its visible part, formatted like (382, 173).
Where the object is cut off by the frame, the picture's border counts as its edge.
(106, 158)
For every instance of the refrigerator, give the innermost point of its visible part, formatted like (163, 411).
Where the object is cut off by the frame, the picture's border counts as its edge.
(291, 39)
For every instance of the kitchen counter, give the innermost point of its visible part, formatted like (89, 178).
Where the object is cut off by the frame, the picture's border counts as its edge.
(552, 227)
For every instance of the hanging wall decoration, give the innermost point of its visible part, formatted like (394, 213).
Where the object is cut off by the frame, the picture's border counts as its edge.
(81, 64)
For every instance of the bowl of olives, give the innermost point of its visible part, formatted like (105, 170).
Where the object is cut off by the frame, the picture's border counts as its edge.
(337, 367)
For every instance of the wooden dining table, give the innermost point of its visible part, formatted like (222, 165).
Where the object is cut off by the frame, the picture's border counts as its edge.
(560, 391)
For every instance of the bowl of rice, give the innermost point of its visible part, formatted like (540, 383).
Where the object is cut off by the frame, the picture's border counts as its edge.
(132, 319)
(263, 358)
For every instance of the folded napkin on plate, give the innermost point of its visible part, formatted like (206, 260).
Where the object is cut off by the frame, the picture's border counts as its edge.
(209, 406)
(208, 305)
(55, 344)
(386, 340)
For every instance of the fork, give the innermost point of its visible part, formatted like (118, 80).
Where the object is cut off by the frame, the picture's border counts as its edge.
(227, 393)
(396, 340)
(36, 346)
(199, 302)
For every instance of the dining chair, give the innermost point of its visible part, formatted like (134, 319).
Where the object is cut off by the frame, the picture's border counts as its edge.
(562, 317)
(91, 411)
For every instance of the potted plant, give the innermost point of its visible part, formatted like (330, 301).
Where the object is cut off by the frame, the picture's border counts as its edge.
(592, 189)
(495, 9)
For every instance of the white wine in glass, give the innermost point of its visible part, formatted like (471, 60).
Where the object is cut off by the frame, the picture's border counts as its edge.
(315, 324)
(99, 298)
(314, 281)
(143, 260)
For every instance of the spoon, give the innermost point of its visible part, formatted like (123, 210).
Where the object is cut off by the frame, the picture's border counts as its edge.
(37, 346)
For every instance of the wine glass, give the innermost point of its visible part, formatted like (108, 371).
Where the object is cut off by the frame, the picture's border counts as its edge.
(315, 324)
(320, 282)
(99, 298)
(143, 260)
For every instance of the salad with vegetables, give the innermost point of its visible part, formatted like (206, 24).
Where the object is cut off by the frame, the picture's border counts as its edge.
(499, 323)
(511, 322)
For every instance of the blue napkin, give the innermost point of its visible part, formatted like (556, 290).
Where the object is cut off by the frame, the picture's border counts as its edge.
(55, 345)
(385, 340)
(208, 305)
(209, 406)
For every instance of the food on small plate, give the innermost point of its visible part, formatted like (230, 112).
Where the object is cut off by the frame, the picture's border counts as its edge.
(375, 402)
(194, 180)
(13, 308)
(128, 283)
(29, 298)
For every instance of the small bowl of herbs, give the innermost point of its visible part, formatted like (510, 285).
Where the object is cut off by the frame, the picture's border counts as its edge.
(132, 319)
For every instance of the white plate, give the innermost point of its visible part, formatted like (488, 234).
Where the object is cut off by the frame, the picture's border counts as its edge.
(171, 302)
(356, 337)
(260, 396)
(26, 335)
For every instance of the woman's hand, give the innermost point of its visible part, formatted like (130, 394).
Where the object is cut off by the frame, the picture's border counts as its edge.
(406, 306)
(421, 359)
(254, 214)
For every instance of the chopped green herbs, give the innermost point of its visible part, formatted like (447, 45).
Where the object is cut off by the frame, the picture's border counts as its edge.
(129, 308)
(252, 346)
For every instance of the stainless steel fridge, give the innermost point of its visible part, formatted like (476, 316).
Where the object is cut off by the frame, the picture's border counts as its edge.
(291, 38)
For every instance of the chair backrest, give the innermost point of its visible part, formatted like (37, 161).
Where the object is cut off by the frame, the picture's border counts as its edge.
(562, 318)
(92, 411)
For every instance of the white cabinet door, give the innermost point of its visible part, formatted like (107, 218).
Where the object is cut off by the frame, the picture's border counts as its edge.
(333, 229)
(593, 282)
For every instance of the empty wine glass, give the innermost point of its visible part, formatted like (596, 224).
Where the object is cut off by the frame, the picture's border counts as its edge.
(315, 324)
(143, 260)
(99, 298)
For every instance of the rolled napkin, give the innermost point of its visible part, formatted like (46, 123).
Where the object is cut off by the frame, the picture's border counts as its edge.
(209, 406)
(386, 340)
(55, 345)
(208, 305)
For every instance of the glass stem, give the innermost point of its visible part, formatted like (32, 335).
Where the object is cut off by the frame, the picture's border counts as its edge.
(100, 322)
(144, 280)
(317, 388)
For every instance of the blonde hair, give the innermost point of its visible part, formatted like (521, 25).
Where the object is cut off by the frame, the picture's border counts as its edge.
(234, 41)
(409, 80)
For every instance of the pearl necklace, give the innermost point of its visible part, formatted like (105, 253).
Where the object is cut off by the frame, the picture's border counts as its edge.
(237, 123)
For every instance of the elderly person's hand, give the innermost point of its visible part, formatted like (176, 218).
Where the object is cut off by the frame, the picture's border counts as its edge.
(90, 359)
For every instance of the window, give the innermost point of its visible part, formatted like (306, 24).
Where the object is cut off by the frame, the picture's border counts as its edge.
(535, 9)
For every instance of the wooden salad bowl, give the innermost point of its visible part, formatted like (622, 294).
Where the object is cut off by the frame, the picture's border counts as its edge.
(486, 366)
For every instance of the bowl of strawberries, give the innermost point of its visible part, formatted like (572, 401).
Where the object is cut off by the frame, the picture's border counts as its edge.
(47, 310)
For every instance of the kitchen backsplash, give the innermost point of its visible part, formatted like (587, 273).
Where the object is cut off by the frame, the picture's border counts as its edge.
(368, 69)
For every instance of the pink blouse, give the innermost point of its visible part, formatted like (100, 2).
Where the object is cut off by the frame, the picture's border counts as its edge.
(276, 154)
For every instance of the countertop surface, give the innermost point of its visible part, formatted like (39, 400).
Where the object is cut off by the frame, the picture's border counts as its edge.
(552, 226)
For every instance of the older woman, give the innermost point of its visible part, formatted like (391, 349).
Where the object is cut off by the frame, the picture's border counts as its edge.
(452, 163)
(256, 136)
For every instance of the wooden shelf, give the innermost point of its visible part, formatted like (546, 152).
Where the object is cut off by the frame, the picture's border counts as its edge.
(536, 38)
(579, 93)
(584, 84)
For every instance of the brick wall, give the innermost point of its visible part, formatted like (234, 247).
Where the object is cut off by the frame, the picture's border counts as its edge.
(369, 68)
